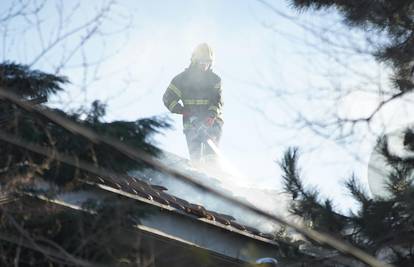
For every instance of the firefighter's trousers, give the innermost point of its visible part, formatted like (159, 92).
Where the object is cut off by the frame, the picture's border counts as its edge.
(198, 148)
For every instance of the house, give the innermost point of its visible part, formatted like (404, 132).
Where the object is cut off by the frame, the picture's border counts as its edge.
(172, 232)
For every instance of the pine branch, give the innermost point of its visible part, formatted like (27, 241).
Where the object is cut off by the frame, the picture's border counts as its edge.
(306, 202)
(356, 190)
(292, 184)
(28, 83)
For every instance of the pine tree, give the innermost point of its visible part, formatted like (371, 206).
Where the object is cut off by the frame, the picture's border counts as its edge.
(26, 229)
(382, 227)
(392, 22)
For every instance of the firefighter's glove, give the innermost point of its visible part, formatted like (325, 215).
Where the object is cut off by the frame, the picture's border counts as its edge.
(209, 121)
(186, 114)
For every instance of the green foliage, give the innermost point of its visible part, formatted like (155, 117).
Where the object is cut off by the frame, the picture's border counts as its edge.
(99, 237)
(357, 191)
(27, 83)
(37, 129)
(306, 202)
(378, 225)
(392, 20)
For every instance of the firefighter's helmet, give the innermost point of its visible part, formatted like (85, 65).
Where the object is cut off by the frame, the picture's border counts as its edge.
(202, 53)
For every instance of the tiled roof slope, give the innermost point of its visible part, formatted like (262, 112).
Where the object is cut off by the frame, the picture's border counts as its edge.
(157, 194)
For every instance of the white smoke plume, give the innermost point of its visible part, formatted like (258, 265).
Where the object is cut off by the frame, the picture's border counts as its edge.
(267, 199)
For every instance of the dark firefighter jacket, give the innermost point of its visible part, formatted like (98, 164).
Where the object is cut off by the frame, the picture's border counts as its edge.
(199, 93)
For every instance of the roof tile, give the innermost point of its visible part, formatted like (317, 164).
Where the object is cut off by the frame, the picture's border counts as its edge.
(157, 193)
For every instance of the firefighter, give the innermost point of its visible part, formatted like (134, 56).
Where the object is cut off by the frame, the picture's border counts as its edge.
(196, 94)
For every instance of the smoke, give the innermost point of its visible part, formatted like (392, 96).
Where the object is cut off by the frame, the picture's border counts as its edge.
(232, 184)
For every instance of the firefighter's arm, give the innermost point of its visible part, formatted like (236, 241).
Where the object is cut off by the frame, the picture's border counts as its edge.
(217, 101)
(171, 97)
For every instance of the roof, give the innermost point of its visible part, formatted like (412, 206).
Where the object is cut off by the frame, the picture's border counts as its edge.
(179, 220)
(157, 195)
(173, 218)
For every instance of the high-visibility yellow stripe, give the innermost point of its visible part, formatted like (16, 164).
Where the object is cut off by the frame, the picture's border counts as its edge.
(172, 105)
(187, 125)
(213, 108)
(195, 101)
(173, 88)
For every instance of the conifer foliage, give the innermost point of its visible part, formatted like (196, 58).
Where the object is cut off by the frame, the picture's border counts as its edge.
(33, 234)
(381, 226)
(391, 23)
(34, 128)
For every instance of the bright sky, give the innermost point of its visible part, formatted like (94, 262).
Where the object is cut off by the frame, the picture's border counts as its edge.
(249, 58)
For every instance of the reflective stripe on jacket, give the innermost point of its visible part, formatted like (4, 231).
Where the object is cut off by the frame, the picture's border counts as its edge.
(195, 93)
